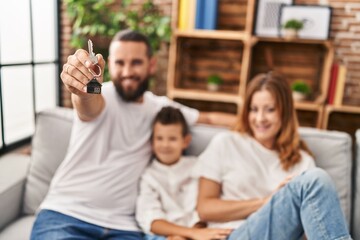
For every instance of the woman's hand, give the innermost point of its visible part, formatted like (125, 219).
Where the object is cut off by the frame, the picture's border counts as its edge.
(281, 185)
(284, 182)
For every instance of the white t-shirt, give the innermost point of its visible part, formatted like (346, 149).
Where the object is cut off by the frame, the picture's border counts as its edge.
(244, 168)
(98, 180)
(168, 193)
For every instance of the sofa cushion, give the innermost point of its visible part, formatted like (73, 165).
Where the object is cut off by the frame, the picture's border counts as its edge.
(20, 229)
(201, 135)
(332, 152)
(49, 146)
(13, 171)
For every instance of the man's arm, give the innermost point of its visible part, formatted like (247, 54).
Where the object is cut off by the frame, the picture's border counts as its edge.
(75, 76)
(218, 118)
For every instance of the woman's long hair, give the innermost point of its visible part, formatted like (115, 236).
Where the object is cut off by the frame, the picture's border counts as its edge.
(287, 141)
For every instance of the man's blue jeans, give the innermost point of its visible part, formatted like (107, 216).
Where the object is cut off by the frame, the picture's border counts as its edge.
(307, 203)
(56, 226)
(154, 237)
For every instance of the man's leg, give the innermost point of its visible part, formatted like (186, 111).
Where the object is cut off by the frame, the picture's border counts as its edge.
(309, 202)
(154, 237)
(54, 225)
(112, 234)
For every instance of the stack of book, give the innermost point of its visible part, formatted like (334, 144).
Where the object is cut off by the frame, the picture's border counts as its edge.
(198, 14)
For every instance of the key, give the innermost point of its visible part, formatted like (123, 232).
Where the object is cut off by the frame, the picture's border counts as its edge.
(93, 85)
(93, 58)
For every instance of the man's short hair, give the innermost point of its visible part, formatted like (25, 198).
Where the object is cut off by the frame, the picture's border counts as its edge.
(171, 115)
(133, 36)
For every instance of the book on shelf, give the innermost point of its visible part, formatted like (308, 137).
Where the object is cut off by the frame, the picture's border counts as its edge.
(199, 17)
(192, 13)
(340, 85)
(332, 85)
(187, 14)
(206, 14)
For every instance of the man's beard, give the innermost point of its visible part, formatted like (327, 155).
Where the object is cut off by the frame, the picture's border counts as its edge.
(130, 96)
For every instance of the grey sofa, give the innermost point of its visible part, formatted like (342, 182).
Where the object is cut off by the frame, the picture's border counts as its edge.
(24, 180)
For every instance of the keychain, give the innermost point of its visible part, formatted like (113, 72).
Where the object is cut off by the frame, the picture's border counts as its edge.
(93, 85)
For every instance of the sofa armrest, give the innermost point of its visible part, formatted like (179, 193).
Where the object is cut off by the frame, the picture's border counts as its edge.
(13, 171)
(356, 206)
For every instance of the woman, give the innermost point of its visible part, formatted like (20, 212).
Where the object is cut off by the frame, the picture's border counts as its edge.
(261, 179)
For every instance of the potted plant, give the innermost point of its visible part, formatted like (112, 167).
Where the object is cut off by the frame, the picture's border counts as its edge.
(300, 90)
(292, 27)
(213, 82)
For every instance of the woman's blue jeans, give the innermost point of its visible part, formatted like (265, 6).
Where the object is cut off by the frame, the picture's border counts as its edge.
(307, 203)
(57, 226)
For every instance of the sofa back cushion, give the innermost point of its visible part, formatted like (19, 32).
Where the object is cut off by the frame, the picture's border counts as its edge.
(333, 152)
(331, 149)
(49, 145)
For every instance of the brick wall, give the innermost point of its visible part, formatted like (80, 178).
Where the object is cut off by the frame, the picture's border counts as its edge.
(66, 50)
(345, 31)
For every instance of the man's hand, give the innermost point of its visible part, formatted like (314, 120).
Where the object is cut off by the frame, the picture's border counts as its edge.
(228, 120)
(75, 74)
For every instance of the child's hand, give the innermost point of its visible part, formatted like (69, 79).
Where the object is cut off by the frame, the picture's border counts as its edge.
(176, 238)
(210, 233)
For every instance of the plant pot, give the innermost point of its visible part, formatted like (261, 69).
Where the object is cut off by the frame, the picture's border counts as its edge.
(213, 87)
(290, 33)
(298, 96)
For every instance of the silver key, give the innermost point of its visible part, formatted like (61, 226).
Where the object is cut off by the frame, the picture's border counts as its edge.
(93, 58)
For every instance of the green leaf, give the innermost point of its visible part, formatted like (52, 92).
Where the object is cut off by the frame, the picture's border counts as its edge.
(96, 17)
(301, 86)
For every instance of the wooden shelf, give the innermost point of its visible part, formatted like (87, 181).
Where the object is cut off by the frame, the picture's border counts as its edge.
(326, 43)
(308, 106)
(313, 113)
(308, 60)
(344, 109)
(236, 55)
(205, 95)
(329, 109)
(213, 34)
(342, 118)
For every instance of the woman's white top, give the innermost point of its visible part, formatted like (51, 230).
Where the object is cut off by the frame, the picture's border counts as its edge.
(168, 193)
(244, 168)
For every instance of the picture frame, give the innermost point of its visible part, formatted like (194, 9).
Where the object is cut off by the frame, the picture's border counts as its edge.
(267, 17)
(316, 20)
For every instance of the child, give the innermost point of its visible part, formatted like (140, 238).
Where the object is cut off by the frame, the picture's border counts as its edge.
(167, 199)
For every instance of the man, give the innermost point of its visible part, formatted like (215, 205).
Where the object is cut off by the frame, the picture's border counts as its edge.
(94, 190)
